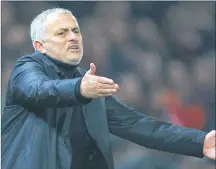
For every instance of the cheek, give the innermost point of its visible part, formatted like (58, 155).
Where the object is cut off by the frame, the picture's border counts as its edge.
(54, 49)
(57, 46)
(81, 42)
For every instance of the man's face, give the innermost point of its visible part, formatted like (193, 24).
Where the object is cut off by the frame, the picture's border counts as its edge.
(63, 39)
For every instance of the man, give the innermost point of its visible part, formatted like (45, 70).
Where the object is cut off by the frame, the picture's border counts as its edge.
(57, 116)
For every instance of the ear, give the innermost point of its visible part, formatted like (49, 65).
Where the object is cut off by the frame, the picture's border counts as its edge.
(39, 45)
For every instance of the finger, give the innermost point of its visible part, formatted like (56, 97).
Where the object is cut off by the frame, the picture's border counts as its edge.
(107, 91)
(89, 72)
(117, 86)
(104, 95)
(108, 86)
(92, 69)
(105, 80)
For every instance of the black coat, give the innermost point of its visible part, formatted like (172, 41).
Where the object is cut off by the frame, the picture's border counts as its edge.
(35, 118)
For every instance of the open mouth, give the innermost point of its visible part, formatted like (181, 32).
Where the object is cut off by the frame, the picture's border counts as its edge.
(74, 48)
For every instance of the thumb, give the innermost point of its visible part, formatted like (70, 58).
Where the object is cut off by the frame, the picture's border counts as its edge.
(92, 69)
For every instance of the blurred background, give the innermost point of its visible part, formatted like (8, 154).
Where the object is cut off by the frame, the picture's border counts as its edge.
(162, 55)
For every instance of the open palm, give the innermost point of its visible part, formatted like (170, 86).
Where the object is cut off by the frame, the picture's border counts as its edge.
(209, 148)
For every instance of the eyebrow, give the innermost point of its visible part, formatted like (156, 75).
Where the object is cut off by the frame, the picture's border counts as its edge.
(66, 29)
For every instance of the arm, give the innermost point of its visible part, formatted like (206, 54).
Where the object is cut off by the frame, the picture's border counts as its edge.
(31, 87)
(127, 123)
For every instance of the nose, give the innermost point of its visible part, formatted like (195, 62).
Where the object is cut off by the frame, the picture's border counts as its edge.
(72, 36)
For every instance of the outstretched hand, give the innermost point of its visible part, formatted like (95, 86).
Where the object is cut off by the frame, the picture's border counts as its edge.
(209, 148)
(93, 86)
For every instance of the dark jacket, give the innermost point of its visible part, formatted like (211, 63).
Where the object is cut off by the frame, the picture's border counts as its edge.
(35, 120)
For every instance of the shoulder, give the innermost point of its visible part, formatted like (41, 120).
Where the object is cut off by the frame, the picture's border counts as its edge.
(28, 58)
(25, 63)
(33, 59)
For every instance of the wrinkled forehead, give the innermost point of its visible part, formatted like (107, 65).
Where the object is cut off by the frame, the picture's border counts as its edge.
(58, 21)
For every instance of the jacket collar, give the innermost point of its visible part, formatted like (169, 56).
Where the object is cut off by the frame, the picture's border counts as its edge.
(44, 59)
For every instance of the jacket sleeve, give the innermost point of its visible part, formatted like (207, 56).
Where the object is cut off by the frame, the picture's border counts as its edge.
(30, 86)
(129, 124)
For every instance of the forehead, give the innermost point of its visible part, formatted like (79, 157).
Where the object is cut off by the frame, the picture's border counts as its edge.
(57, 21)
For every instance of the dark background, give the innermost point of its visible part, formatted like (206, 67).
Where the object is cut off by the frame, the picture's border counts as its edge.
(162, 55)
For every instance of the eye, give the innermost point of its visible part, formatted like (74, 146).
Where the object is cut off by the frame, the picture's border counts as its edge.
(77, 31)
(61, 33)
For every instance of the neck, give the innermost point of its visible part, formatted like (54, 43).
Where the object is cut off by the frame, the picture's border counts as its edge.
(62, 63)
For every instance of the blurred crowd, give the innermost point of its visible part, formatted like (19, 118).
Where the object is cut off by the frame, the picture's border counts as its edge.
(162, 55)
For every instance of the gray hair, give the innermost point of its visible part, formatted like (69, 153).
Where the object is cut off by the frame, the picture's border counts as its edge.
(38, 24)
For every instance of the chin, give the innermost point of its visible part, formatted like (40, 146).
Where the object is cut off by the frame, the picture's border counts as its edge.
(74, 61)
